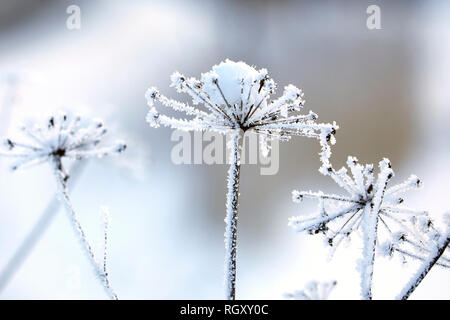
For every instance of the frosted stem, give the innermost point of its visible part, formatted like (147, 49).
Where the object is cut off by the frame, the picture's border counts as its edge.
(425, 268)
(370, 241)
(36, 233)
(73, 217)
(231, 219)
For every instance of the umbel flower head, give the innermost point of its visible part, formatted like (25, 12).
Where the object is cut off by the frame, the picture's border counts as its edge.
(370, 207)
(339, 216)
(313, 291)
(61, 136)
(236, 96)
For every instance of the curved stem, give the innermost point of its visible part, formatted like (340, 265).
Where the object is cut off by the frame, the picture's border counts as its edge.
(231, 219)
(101, 275)
(36, 233)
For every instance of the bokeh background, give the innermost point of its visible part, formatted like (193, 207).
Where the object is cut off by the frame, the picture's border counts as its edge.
(388, 90)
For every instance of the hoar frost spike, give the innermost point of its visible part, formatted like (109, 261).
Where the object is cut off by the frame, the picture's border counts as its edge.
(369, 206)
(236, 98)
(65, 137)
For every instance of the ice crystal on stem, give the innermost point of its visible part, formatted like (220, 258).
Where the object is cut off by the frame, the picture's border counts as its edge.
(64, 136)
(236, 99)
(369, 205)
(438, 246)
(313, 291)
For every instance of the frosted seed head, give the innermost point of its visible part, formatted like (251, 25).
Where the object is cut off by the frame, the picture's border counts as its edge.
(297, 196)
(9, 144)
(153, 117)
(352, 161)
(61, 136)
(177, 81)
(151, 95)
(120, 146)
(386, 249)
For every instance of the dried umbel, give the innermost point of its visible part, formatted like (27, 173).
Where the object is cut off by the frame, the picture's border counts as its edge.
(369, 206)
(236, 98)
(64, 136)
(313, 291)
(61, 136)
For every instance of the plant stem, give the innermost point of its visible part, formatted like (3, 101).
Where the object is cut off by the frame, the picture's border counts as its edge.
(370, 241)
(36, 233)
(101, 275)
(231, 219)
(425, 268)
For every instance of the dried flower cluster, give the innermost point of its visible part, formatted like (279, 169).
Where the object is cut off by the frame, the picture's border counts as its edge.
(373, 209)
(313, 291)
(237, 98)
(64, 136)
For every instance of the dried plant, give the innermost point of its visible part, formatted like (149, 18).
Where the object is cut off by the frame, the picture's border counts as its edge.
(375, 210)
(65, 137)
(313, 291)
(236, 100)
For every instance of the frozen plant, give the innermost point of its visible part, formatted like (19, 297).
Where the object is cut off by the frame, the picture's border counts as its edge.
(369, 207)
(437, 247)
(313, 291)
(236, 98)
(424, 239)
(65, 137)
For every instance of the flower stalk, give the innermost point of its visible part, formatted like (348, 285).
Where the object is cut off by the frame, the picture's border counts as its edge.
(231, 219)
(236, 99)
(100, 271)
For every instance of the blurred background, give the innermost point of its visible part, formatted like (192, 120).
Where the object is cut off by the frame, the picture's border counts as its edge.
(387, 89)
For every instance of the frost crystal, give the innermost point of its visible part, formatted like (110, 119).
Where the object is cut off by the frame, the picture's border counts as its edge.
(313, 291)
(369, 204)
(62, 136)
(237, 96)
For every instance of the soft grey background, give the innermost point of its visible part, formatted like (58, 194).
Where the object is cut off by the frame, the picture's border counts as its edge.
(387, 89)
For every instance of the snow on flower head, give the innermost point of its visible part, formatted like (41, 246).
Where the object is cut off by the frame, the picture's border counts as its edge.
(236, 96)
(60, 136)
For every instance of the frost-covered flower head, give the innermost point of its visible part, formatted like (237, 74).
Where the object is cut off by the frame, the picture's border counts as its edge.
(339, 216)
(61, 136)
(313, 291)
(371, 208)
(236, 96)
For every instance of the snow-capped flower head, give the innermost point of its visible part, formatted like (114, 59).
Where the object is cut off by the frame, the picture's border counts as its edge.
(236, 96)
(370, 207)
(60, 136)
